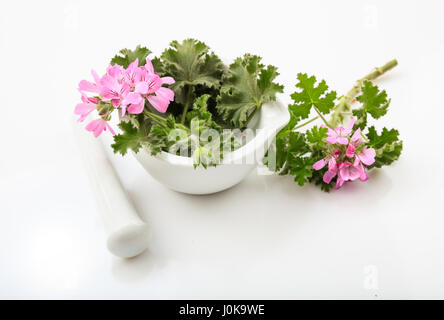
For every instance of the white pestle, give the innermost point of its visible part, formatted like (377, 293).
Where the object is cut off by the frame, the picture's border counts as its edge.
(127, 234)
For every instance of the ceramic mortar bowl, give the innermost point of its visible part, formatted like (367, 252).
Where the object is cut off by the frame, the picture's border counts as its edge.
(179, 174)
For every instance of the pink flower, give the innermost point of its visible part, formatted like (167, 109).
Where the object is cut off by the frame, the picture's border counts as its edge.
(85, 108)
(86, 86)
(113, 90)
(116, 72)
(350, 172)
(339, 134)
(332, 167)
(366, 156)
(98, 126)
(126, 89)
(135, 101)
(347, 163)
(132, 74)
(150, 87)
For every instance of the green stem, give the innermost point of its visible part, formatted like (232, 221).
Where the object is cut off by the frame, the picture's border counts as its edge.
(305, 123)
(345, 101)
(155, 117)
(322, 117)
(187, 105)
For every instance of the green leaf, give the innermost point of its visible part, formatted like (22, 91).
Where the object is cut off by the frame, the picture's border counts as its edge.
(126, 56)
(200, 112)
(386, 137)
(317, 137)
(191, 64)
(131, 138)
(374, 101)
(388, 147)
(286, 146)
(310, 96)
(361, 118)
(302, 169)
(247, 87)
(318, 179)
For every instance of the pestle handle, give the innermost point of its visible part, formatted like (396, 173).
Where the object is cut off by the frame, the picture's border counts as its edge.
(127, 234)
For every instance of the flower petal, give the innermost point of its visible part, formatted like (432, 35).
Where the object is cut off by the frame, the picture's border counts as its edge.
(110, 129)
(133, 64)
(342, 140)
(166, 93)
(363, 175)
(332, 164)
(350, 151)
(159, 103)
(329, 175)
(83, 110)
(339, 182)
(141, 87)
(331, 139)
(168, 80)
(149, 66)
(354, 172)
(356, 138)
(132, 98)
(349, 127)
(87, 86)
(367, 156)
(136, 108)
(96, 127)
(318, 165)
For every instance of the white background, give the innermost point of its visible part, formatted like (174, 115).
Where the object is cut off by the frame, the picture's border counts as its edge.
(265, 238)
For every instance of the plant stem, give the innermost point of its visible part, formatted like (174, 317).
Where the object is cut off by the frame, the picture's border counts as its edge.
(187, 105)
(155, 117)
(322, 117)
(345, 101)
(305, 123)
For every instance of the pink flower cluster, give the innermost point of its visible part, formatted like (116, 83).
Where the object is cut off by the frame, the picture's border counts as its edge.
(124, 89)
(347, 158)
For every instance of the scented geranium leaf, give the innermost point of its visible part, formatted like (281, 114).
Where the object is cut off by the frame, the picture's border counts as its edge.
(158, 66)
(374, 101)
(200, 113)
(387, 145)
(161, 137)
(318, 179)
(267, 87)
(378, 141)
(317, 136)
(388, 154)
(247, 87)
(310, 96)
(191, 64)
(361, 118)
(302, 169)
(287, 145)
(130, 138)
(126, 56)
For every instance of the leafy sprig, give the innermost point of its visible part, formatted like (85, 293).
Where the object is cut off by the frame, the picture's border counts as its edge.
(294, 153)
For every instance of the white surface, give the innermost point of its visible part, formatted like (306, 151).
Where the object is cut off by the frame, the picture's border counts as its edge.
(265, 238)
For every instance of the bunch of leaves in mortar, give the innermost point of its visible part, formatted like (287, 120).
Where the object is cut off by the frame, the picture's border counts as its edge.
(209, 97)
(334, 152)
